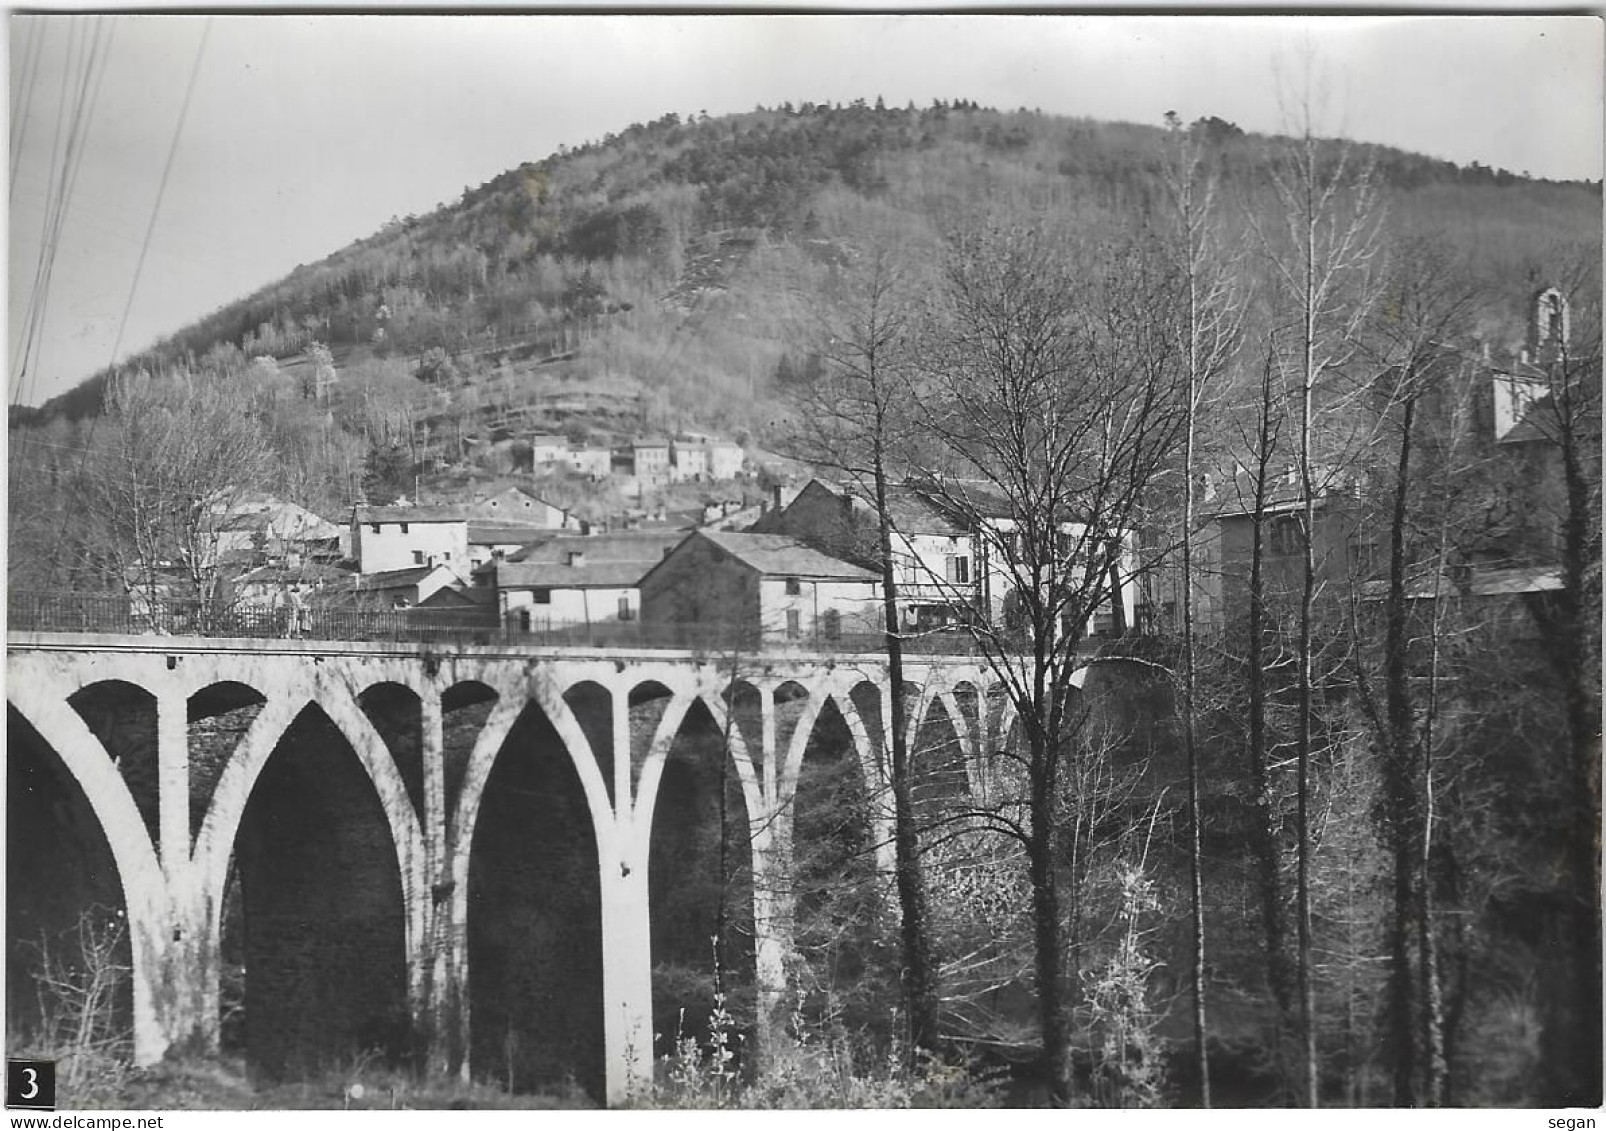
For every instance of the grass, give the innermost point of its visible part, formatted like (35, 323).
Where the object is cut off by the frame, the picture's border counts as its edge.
(189, 1083)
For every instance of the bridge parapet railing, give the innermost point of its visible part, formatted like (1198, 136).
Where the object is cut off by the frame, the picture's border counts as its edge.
(95, 613)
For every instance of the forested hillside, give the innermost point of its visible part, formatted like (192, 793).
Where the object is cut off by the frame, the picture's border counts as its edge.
(668, 268)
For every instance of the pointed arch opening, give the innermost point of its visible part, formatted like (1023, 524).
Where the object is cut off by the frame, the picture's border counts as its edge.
(700, 886)
(65, 907)
(313, 941)
(123, 717)
(845, 940)
(397, 713)
(465, 707)
(592, 705)
(535, 920)
(647, 701)
(218, 717)
(940, 784)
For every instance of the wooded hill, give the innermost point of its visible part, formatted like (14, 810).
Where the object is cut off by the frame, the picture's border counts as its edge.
(658, 278)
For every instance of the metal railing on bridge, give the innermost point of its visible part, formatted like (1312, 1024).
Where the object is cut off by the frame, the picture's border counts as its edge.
(176, 616)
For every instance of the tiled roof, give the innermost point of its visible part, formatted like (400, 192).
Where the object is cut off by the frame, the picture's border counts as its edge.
(612, 561)
(410, 514)
(391, 578)
(778, 555)
(502, 533)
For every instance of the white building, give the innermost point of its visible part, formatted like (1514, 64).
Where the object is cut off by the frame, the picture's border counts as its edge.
(568, 581)
(688, 460)
(393, 538)
(724, 459)
(591, 461)
(546, 450)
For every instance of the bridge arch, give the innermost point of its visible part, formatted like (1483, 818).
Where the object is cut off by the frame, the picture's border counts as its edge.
(526, 898)
(215, 844)
(144, 887)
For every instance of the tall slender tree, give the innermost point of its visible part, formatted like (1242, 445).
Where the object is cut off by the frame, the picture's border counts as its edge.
(1320, 266)
(856, 421)
(1209, 331)
(1419, 390)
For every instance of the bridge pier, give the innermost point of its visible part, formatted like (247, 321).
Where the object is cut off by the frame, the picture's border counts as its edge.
(435, 999)
(626, 960)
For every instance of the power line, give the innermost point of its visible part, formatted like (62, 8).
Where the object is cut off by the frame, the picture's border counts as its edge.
(94, 71)
(19, 361)
(161, 189)
(30, 75)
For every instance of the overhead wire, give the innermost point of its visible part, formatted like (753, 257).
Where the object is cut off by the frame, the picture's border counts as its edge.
(29, 79)
(161, 189)
(18, 358)
(145, 243)
(88, 95)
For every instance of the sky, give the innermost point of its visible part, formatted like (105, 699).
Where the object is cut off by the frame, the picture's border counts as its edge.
(303, 133)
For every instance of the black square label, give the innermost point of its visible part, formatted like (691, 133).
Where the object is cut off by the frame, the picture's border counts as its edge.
(31, 1084)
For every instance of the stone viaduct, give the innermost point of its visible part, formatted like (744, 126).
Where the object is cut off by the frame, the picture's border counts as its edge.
(428, 727)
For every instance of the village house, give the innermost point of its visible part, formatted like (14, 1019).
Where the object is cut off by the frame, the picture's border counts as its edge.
(492, 541)
(948, 567)
(750, 589)
(546, 450)
(594, 461)
(725, 459)
(688, 461)
(389, 589)
(257, 528)
(408, 537)
(515, 507)
(568, 581)
(1491, 415)
(649, 460)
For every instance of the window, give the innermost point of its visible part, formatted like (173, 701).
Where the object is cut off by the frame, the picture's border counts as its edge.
(1285, 536)
(793, 587)
(541, 596)
(418, 557)
(959, 570)
(832, 623)
(524, 620)
(404, 528)
(794, 624)
(624, 607)
(375, 527)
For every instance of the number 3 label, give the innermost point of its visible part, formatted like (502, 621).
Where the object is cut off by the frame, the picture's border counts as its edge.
(31, 1084)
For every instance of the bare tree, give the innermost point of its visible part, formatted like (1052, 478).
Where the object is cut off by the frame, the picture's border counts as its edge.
(1422, 445)
(1209, 331)
(1051, 400)
(177, 456)
(1568, 414)
(856, 421)
(1319, 268)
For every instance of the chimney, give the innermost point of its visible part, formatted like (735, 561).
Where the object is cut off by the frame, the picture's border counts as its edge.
(775, 497)
(577, 559)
